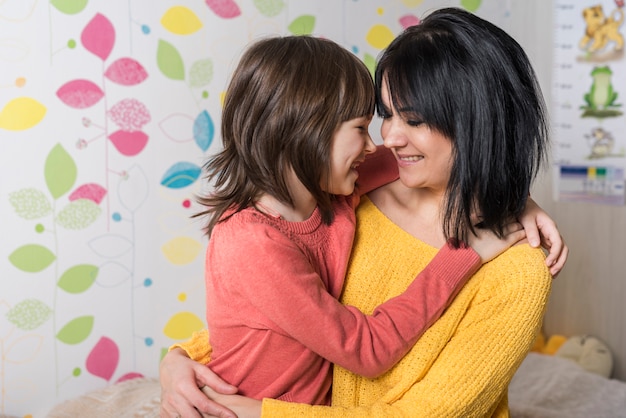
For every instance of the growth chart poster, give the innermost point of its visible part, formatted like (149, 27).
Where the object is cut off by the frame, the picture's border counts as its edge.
(589, 93)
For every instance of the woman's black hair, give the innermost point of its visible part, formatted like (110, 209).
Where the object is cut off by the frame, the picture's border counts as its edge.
(470, 81)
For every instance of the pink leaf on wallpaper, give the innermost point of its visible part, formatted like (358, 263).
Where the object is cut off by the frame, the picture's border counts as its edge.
(103, 359)
(129, 143)
(91, 191)
(409, 20)
(99, 36)
(80, 94)
(126, 71)
(226, 9)
(129, 114)
(129, 376)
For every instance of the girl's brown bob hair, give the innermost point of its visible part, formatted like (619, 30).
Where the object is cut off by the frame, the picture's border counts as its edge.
(285, 101)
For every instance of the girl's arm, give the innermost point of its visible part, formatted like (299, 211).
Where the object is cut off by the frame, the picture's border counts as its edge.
(381, 168)
(289, 296)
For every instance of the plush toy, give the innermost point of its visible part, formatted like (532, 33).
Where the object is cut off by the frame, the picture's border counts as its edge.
(588, 352)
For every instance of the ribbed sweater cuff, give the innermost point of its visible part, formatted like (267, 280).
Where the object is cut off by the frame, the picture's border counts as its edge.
(197, 347)
(455, 265)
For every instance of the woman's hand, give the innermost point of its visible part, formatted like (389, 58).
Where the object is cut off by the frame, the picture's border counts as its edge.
(181, 379)
(489, 246)
(242, 406)
(541, 229)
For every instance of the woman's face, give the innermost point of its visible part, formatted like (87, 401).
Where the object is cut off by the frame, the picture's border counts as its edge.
(350, 144)
(424, 155)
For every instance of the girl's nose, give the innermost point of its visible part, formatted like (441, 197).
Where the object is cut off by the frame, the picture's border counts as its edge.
(370, 146)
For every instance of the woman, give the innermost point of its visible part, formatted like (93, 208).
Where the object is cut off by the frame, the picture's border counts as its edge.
(463, 115)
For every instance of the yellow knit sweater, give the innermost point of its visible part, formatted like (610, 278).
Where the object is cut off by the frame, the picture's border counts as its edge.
(462, 365)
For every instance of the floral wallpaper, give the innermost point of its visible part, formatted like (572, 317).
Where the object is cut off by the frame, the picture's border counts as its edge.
(108, 109)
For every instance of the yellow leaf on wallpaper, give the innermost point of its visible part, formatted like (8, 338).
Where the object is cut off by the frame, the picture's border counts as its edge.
(379, 36)
(21, 113)
(182, 325)
(181, 250)
(181, 20)
(412, 3)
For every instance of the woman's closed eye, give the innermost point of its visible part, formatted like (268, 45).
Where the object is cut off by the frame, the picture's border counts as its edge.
(415, 123)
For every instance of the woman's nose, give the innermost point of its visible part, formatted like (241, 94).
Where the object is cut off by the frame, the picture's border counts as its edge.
(392, 133)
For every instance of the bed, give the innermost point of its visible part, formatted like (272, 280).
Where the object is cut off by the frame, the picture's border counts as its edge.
(544, 386)
(548, 386)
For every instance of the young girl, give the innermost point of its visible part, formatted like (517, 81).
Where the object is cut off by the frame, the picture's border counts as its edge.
(281, 226)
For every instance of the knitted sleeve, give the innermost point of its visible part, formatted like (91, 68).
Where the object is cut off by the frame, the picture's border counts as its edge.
(197, 347)
(503, 307)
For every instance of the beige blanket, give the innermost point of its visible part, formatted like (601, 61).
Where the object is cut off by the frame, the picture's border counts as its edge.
(136, 398)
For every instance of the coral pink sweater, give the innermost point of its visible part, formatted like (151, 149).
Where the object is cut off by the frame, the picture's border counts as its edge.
(274, 319)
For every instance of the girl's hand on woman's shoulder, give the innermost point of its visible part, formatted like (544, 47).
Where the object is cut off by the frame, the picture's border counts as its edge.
(488, 246)
(542, 230)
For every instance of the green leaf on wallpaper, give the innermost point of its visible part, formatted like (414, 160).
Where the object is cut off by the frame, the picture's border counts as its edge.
(302, 25)
(79, 278)
(169, 61)
(32, 258)
(70, 7)
(60, 171)
(30, 203)
(370, 63)
(201, 73)
(269, 8)
(471, 5)
(76, 331)
(78, 214)
(29, 314)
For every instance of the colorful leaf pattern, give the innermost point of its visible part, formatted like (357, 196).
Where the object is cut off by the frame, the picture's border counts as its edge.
(98, 37)
(126, 71)
(80, 94)
(21, 113)
(76, 330)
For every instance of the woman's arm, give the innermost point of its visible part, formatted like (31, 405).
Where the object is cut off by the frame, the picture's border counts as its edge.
(181, 379)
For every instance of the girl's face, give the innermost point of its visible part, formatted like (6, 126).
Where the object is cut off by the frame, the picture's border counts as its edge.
(350, 144)
(424, 155)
